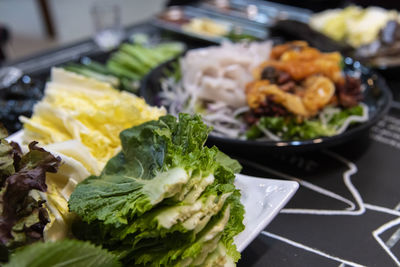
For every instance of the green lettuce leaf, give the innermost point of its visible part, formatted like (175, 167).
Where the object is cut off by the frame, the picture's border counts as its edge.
(289, 128)
(65, 253)
(228, 163)
(160, 197)
(157, 160)
(172, 253)
(341, 116)
(234, 226)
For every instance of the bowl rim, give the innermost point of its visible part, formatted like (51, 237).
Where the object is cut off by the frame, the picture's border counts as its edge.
(386, 97)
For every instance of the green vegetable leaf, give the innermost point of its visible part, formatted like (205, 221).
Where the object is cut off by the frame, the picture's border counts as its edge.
(156, 160)
(289, 128)
(235, 36)
(228, 163)
(177, 251)
(234, 225)
(253, 132)
(128, 65)
(65, 253)
(158, 199)
(339, 117)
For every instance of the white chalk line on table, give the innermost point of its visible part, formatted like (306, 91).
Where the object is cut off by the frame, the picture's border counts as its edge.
(381, 209)
(310, 249)
(394, 239)
(397, 207)
(396, 211)
(352, 169)
(383, 229)
(351, 210)
(303, 183)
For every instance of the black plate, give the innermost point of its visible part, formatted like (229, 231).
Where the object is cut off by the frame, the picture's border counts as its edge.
(377, 96)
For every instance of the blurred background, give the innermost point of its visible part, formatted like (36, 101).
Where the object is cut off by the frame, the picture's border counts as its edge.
(36, 25)
(32, 26)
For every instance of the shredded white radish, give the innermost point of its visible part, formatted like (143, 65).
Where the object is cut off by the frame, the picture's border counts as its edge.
(268, 133)
(327, 114)
(240, 111)
(220, 73)
(213, 84)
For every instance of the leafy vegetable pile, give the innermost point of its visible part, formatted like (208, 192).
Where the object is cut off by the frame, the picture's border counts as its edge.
(22, 214)
(65, 253)
(127, 65)
(165, 199)
(331, 121)
(87, 111)
(25, 214)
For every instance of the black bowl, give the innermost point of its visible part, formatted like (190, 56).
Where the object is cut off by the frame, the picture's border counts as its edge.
(377, 96)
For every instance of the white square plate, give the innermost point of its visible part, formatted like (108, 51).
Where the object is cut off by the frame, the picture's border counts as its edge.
(262, 199)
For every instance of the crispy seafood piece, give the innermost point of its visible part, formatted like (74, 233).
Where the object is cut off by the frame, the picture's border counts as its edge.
(257, 92)
(318, 92)
(254, 93)
(301, 61)
(278, 50)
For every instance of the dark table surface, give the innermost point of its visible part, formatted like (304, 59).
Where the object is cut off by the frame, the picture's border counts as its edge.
(347, 209)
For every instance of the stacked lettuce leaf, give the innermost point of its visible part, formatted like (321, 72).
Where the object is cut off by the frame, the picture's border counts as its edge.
(165, 199)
